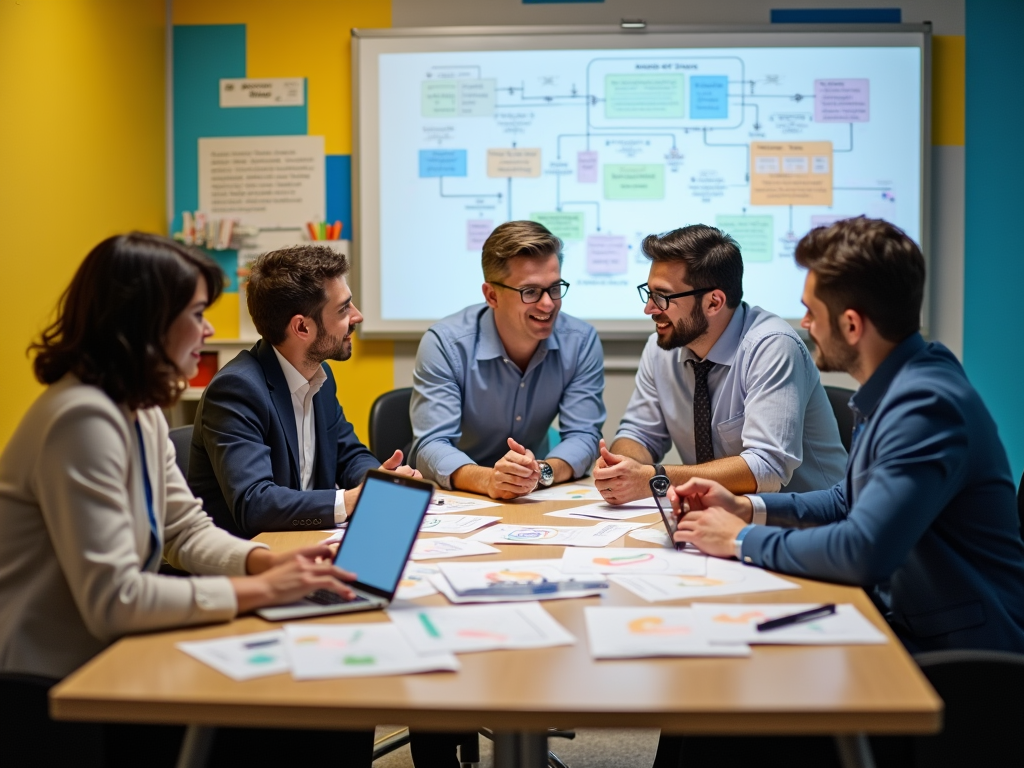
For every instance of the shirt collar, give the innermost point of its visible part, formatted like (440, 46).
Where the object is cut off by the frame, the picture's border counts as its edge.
(866, 399)
(489, 345)
(297, 383)
(724, 350)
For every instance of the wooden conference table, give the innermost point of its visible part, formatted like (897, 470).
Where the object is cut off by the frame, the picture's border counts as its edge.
(846, 691)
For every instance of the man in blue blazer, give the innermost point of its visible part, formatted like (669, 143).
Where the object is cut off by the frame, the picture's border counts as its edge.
(925, 517)
(272, 449)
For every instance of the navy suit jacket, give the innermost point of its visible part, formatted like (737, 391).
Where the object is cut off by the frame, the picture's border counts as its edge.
(244, 458)
(925, 517)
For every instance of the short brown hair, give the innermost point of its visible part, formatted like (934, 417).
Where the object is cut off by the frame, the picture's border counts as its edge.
(517, 238)
(870, 266)
(712, 258)
(290, 282)
(113, 319)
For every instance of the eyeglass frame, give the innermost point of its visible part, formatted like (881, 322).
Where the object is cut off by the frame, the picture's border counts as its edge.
(667, 296)
(522, 291)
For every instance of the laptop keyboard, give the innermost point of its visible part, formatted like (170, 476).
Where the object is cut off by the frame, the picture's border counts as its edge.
(326, 597)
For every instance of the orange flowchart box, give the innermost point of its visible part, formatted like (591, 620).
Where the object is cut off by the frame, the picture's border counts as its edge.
(514, 163)
(791, 173)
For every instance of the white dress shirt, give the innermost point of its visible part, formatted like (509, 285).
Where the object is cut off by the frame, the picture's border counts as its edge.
(303, 392)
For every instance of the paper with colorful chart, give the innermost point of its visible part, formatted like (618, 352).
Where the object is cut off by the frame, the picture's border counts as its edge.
(723, 577)
(455, 523)
(738, 623)
(603, 511)
(600, 535)
(242, 657)
(566, 492)
(630, 560)
(449, 546)
(464, 577)
(442, 503)
(357, 650)
(631, 633)
(465, 629)
(416, 582)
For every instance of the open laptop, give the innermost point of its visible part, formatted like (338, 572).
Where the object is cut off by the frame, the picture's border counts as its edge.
(381, 532)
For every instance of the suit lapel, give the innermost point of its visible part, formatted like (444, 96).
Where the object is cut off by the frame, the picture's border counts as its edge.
(282, 400)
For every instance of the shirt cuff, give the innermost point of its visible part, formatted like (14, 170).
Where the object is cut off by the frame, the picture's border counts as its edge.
(767, 479)
(340, 513)
(738, 543)
(214, 597)
(760, 510)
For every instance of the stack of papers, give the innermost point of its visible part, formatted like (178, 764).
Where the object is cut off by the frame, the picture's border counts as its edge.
(622, 560)
(566, 492)
(723, 577)
(470, 628)
(604, 511)
(500, 581)
(455, 523)
(449, 546)
(443, 502)
(416, 582)
(600, 535)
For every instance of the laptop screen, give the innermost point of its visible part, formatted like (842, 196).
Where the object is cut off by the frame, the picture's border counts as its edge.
(384, 526)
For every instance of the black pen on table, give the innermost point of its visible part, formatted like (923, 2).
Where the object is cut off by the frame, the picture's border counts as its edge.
(797, 618)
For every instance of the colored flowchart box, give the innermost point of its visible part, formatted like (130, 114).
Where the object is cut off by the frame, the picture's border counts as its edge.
(564, 224)
(586, 167)
(842, 101)
(477, 232)
(477, 97)
(513, 163)
(791, 173)
(634, 182)
(755, 234)
(607, 255)
(644, 96)
(442, 162)
(709, 97)
(439, 98)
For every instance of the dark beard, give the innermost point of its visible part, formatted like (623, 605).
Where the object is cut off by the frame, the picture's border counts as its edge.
(686, 330)
(327, 347)
(840, 358)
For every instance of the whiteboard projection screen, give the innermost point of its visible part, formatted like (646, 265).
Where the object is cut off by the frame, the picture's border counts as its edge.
(608, 136)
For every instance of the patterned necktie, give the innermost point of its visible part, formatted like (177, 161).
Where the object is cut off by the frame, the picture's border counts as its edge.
(702, 412)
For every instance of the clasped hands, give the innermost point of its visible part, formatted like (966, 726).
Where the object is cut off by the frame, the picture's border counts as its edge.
(515, 474)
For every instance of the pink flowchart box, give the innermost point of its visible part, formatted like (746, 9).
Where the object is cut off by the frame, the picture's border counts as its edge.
(477, 232)
(841, 101)
(607, 255)
(586, 167)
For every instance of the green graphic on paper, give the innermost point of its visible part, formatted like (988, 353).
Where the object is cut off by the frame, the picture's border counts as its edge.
(634, 182)
(644, 96)
(755, 234)
(358, 661)
(563, 224)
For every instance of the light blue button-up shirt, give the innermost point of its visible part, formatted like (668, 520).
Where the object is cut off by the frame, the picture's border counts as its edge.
(767, 404)
(469, 397)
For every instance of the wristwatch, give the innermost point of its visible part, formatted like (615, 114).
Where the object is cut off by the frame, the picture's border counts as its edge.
(660, 482)
(547, 474)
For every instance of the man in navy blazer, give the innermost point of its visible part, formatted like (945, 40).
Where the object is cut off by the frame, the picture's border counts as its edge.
(925, 517)
(272, 449)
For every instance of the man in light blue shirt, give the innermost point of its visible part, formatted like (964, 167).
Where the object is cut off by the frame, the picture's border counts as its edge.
(731, 386)
(489, 380)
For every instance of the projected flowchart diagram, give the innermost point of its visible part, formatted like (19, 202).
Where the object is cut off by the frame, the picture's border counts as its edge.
(604, 148)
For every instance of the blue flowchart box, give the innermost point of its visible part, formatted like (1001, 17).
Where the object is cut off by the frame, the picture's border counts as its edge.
(709, 97)
(442, 162)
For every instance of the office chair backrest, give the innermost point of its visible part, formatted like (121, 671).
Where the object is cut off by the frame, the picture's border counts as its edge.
(1020, 505)
(839, 399)
(181, 439)
(984, 696)
(390, 425)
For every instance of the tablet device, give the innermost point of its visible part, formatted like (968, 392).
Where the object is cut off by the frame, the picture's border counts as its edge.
(381, 532)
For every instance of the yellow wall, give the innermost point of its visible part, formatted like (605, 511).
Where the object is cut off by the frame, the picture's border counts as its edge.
(948, 89)
(82, 153)
(311, 39)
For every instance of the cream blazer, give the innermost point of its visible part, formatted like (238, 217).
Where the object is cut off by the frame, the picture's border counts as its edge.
(75, 535)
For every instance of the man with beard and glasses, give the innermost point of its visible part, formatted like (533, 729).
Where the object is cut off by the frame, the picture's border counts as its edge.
(271, 448)
(731, 386)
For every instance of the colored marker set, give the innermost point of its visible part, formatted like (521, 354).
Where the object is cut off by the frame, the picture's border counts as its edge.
(197, 229)
(321, 230)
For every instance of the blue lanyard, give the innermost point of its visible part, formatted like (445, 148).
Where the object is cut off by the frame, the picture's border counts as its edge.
(154, 536)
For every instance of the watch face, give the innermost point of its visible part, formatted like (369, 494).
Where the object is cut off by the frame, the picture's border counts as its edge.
(547, 474)
(659, 485)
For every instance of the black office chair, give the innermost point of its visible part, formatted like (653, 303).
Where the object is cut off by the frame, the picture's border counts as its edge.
(984, 696)
(181, 439)
(1020, 505)
(390, 425)
(839, 399)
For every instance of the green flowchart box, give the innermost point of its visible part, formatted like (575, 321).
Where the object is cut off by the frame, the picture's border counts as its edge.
(439, 98)
(634, 182)
(563, 224)
(755, 234)
(458, 98)
(643, 96)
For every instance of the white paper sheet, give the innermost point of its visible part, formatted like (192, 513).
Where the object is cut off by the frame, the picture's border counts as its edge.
(445, 589)
(467, 576)
(455, 523)
(653, 536)
(647, 560)
(448, 546)
(600, 535)
(336, 536)
(242, 657)
(723, 577)
(604, 511)
(416, 582)
(443, 503)
(732, 622)
(465, 629)
(566, 492)
(632, 633)
(357, 650)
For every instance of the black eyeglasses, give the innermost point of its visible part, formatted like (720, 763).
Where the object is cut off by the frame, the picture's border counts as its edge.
(532, 294)
(661, 300)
